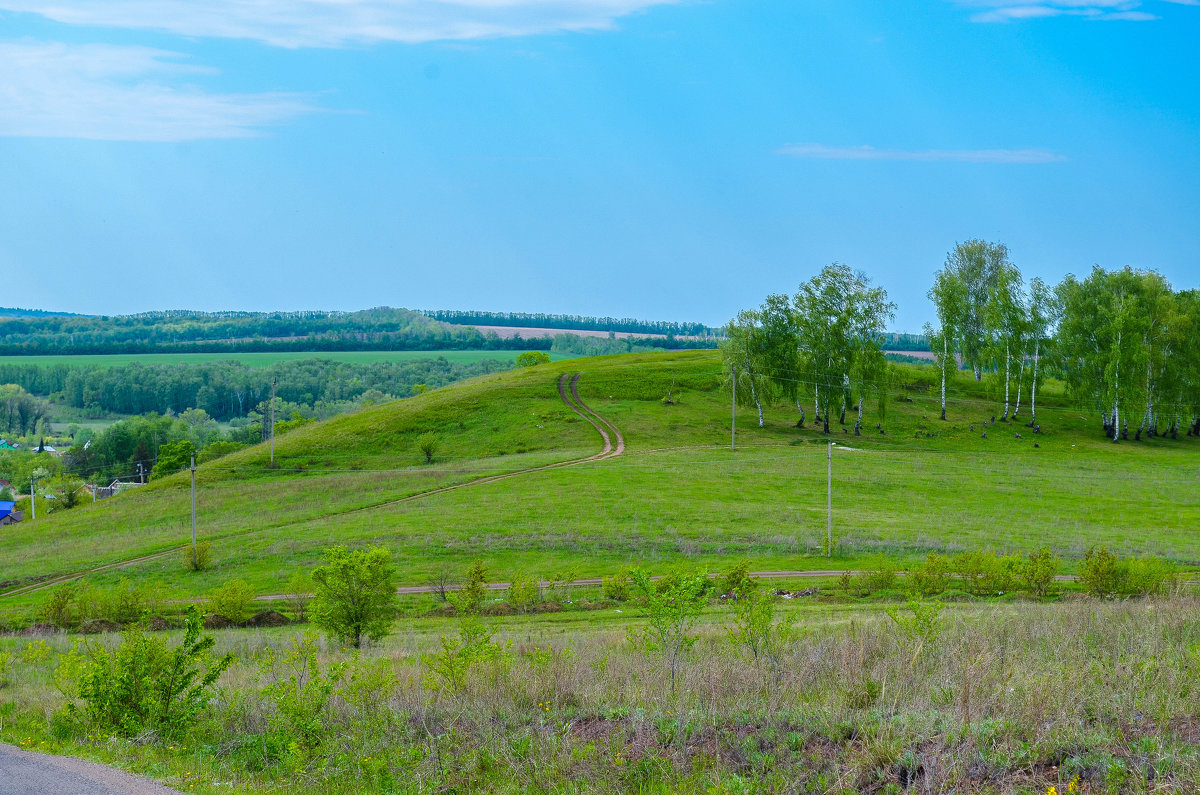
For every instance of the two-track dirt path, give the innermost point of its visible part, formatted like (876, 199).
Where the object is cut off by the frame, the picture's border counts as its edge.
(614, 445)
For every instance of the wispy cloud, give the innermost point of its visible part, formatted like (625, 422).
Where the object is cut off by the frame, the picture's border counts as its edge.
(1010, 156)
(338, 23)
(1109, 10)
(124, 93)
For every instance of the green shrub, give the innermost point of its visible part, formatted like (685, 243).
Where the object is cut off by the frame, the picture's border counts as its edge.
(985, 573)
(428, 444)
(300, 691)
(933, 576)
(198, 558)
(921, 628)
(355, 594)
(125, 604)
(232, 601)
(61, 607)
(470, 598)
(450, 668)
(1101, 573)
(523, 594)
(299, 592)
(532, 358)
(737, 581)
(1037, 571)
(1148, 576)
(5, 662)
(672, 607)
(617, 587)
(144, 684)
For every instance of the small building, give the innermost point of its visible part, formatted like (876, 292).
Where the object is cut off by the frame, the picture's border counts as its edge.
(8, 514)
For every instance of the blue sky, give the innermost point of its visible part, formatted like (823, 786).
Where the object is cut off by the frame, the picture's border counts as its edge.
(670, 160)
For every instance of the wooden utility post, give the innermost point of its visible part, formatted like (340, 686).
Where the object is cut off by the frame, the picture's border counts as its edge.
(272, 412)
(733, 403)
(193, 467)
(829, 504)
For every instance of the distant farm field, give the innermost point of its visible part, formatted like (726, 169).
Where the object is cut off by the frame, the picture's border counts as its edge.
(265, 359)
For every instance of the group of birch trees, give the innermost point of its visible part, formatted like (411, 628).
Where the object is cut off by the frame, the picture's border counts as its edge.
(1124, 341)
(825, 342)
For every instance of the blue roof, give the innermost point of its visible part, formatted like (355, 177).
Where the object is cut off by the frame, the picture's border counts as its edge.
(6, 507)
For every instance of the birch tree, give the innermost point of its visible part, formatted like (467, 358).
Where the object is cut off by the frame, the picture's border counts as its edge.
(743, 358)
(1005, 324)
(780, 358)
(949, 296)
(975, 265)
(840, 320)
(1044, 311)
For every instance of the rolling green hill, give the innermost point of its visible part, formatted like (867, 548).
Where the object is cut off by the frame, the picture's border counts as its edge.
(677, 494)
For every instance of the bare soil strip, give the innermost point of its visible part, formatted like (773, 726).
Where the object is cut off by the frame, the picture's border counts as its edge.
(566, 390)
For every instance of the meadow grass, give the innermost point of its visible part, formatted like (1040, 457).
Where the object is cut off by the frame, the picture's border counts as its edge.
(679, 495)
(1083, 696)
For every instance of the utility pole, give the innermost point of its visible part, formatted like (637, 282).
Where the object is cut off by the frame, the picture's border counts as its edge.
(273, 383)
(733, 401)
(829, 505)
(32, 499)
(193, 467)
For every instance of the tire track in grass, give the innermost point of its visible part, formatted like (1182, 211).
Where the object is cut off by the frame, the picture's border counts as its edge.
(566, 390)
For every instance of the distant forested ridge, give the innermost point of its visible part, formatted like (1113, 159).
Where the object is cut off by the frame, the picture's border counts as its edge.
(382, 328)
(230, 389)
(8, 311)
(572, 323)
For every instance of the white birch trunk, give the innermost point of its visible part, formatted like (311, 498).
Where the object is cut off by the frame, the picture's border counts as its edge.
(754, 397)
(1006, 381)
(945, 353)
(1117, 394)
(1033, 384)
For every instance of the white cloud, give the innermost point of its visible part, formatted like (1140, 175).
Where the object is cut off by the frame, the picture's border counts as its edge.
(1010, 156)
(336, 23)
(1110, 10)
(123, 93)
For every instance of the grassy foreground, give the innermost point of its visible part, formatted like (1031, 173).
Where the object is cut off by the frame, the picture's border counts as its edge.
(1082, 696)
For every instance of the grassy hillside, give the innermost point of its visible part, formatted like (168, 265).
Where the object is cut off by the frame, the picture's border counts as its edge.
(678, 494)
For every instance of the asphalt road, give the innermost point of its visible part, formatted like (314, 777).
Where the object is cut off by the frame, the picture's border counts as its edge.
(25, 773)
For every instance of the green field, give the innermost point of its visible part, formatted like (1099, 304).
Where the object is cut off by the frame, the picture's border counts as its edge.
(1003, 693)
(263, 359)
(677, 495)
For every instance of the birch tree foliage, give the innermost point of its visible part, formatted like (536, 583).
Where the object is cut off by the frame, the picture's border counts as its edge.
(949, 296)
(975, 264)
(744, 361)
(780, 350)
(1005, 325)
(840, 320)
(1044, 313)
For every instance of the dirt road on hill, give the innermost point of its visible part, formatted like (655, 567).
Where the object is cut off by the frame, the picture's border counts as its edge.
(614, 445)
(26, 773)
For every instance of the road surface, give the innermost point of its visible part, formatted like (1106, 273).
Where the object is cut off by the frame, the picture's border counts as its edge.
(26, 773)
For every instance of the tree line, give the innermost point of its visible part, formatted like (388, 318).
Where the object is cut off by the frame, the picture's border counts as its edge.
(1123, 340)
(572, 322)
(224, 390)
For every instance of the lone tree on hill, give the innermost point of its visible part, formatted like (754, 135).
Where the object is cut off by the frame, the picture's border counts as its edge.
(355, 594)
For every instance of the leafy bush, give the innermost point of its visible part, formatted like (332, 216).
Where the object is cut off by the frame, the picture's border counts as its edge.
(755, 629)
(470, 598)
(985, 573)
(737, 581)
(428, 444)
(1148, 576)
(523, 594)
(921, 628)
(532, 358)
(933, 576)
(299, 592)
(198, 558)
(1037, 571)
(1101, 573)
(617, 587)
(300, 691)
(672, 607)
(61, 607)
(355, 594)
(144, 684)
(125, 604)
(5, 661)
(451, 666)
(232, 601)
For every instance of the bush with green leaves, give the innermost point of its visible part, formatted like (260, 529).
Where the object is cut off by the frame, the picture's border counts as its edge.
(1149, 576)
(232, 601)
(199, 557)
(756, 630)
(920, 627)
(470, 597)
(532, 358)
(449, 669)
(1101, 573)
(299, 593)
(299, 689)
(355, 594)
(127, 603)
(523, 593)
(618, 587)
(145, 684)
(986, 573)
(671, 608)
(737, 581)
(1037, 571)
(428, 444)
(933, 576)
(61, 607)
(5, 662)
